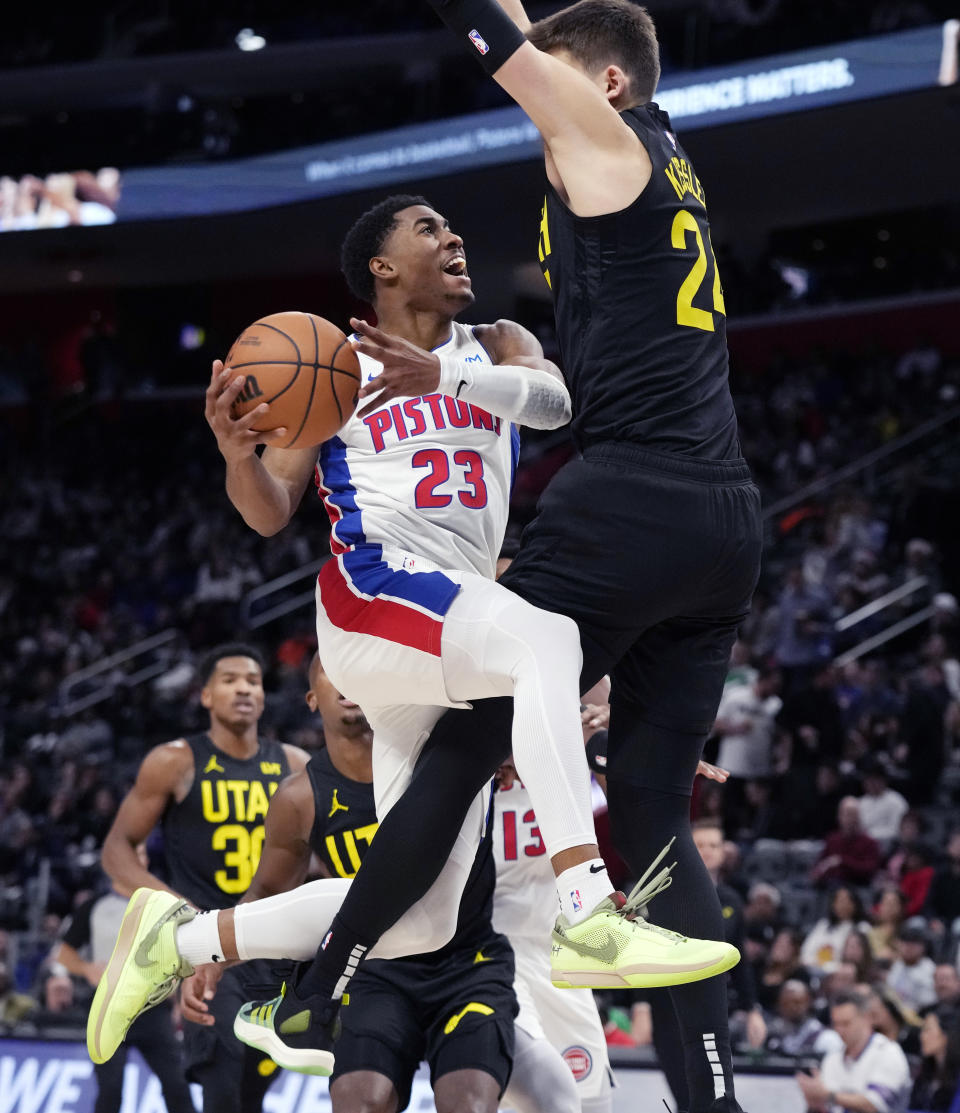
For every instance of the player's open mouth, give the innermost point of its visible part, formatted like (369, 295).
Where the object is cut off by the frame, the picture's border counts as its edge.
(243, 705)
(347, 704)
(457, 266)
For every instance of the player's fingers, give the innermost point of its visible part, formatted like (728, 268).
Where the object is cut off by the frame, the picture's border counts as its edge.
(249, 420)
(216, 369)
(365, 329)
(274, 436)
(383, 394)
(228, 394)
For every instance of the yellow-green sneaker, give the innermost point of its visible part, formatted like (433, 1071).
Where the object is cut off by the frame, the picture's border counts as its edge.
(143, 970)
(615, 948)
(298, 1033)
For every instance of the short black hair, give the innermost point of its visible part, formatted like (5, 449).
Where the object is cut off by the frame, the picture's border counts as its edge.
(366, 238)
(209, 661)
(600, 32)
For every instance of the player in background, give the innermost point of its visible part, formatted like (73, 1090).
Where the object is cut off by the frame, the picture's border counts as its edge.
(209, 792)
(84, 947)
(561, 1063)
(453, 1007)
(650, 538)
(417, 492)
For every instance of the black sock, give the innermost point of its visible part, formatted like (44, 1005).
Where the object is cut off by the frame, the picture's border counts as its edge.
(642, 821)
(412, 844)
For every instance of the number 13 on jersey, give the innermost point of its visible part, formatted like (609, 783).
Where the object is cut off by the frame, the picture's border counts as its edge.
(687, 313)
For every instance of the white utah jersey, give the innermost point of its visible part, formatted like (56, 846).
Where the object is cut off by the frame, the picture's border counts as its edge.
(525, 899)
(429, 475)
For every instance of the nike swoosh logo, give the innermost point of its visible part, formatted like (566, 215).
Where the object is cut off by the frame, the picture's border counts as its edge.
(460, 386)
(597, 869)
(605, 952)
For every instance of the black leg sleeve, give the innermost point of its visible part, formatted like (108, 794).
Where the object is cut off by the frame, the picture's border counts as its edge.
(642, 820)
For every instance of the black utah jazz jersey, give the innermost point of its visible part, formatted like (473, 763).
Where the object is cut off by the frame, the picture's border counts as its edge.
(345, 821)
(214, 836)
(640, 313)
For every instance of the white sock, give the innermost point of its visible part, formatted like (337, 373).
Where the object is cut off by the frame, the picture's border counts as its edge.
(581, 888)
(199, 940)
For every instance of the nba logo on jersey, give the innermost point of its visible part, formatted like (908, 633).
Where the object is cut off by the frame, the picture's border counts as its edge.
(326, 940)
(477, 39)
(577, 900)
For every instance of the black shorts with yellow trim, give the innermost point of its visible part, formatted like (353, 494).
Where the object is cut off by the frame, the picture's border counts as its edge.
(455, 1011)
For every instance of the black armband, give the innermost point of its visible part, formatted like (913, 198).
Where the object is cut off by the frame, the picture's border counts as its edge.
(491, 34)
(597, 752)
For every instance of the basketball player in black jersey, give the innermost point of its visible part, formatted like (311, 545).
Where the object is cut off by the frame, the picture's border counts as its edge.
(650, 538)
(453, 1007)
(210, 793)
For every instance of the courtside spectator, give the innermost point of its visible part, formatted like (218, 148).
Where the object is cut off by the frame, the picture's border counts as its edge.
(888, 915)
(794, 1030)
(939, 1080)
(824, 943)
(850, 856)
(911, 975)
(782, 965)
(881, 807)
(946, 984)
(869, 1073)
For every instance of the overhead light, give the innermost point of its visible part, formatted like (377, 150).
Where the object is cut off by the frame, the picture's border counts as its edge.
(248, 39)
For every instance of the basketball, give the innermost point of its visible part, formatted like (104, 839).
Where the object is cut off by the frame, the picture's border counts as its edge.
(304, 367)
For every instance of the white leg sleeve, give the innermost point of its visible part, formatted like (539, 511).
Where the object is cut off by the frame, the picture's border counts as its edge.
(541, 1081)
(496, 644)
(289, 925)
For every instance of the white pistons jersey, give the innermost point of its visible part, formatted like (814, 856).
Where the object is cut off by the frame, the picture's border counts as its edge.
(525, 907)
(428, 475)
(417, 492)
(525, 901)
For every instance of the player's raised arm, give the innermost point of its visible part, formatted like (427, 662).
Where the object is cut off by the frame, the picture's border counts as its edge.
(594, 158)
(265, 489)
(521, 386)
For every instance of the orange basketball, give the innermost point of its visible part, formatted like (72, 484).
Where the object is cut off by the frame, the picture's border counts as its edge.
(304, 368)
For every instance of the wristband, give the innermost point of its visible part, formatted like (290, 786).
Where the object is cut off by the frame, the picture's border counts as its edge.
(492, 35)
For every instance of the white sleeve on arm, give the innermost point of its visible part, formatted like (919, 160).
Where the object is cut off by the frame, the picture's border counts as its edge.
(525, 395)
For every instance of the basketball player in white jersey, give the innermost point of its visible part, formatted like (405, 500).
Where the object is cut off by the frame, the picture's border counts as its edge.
(409, 622)
(560, 1054)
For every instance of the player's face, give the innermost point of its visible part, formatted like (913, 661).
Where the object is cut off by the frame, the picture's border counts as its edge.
(431, 265)
(335, 710)
(234, 693)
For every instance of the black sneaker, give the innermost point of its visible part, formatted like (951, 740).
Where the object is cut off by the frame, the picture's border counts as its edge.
(297, 1033)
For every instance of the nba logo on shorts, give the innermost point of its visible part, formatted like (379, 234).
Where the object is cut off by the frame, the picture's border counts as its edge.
(326, 940)
(577, 900)
(580, 1062)
(477, 39)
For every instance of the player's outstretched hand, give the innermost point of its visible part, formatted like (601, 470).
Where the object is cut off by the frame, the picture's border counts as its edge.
(237, 438)
(712, 772)
(197, 990)
(408, 371)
